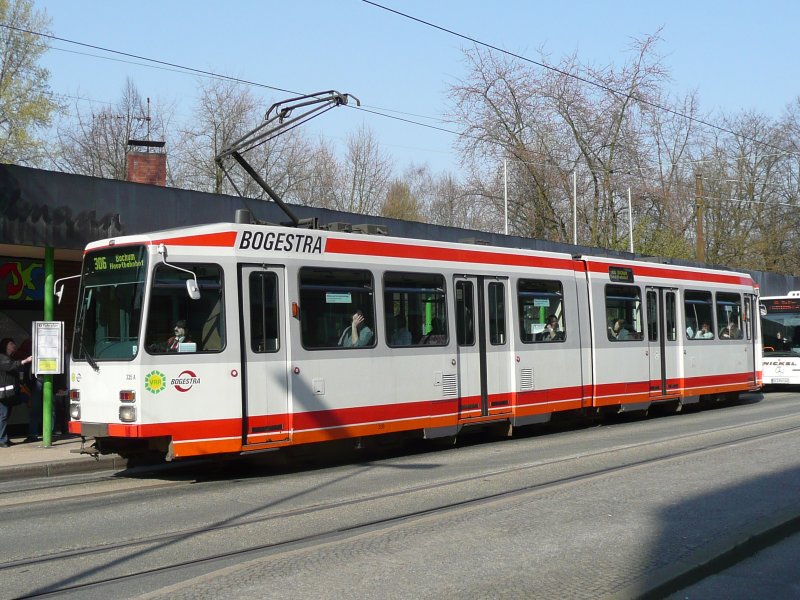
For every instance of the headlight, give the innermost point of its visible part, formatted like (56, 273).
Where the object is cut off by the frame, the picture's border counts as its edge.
(127, 414)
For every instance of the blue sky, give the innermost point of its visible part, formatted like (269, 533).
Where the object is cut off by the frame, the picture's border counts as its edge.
(737, 55)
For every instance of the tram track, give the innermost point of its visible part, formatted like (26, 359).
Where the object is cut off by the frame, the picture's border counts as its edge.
(222, 560)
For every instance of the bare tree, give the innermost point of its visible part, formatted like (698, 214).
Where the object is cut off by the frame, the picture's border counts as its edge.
(96, 142)
(400, 202)
(750, 211)
(224, 112)
(318, 187)
(363, 176)
(455, 206)
(547, 124)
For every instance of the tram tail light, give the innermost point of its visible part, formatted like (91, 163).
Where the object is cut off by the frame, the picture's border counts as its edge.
(127, 396)
(74, 405)
(127, 413)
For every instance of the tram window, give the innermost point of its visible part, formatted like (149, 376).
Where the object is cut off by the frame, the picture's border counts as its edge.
(415, 309)
(329, 299)
(264, 312)
(652, 316)
(672, 315)
(497, 313)
(729, 316)
(169, 303)
(748, 322)
(541, 311)
(465, 313)
(624, 313)
(699, 315)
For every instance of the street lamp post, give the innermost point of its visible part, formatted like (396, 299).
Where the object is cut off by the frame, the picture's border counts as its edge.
(505, 194)
(575, 206)
(630, 220)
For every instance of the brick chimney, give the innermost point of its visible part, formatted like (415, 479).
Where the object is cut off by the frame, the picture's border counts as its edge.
(147, 167)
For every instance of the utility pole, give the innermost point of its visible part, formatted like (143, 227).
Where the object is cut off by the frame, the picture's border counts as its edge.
(698, 191)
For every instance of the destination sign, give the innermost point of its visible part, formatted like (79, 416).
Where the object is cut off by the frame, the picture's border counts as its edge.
(620, 274)
(116, 262)
(780, 305)
(115, 265)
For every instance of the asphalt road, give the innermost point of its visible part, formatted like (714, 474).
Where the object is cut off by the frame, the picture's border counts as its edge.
(611, 511)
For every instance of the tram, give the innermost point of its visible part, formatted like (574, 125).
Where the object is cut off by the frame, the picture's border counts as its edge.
(780, 326)
(298, 336)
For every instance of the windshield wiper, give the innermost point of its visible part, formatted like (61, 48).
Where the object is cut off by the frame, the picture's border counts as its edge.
(81, 347)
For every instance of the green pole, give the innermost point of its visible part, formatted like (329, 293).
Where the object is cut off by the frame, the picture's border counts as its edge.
(47, 394)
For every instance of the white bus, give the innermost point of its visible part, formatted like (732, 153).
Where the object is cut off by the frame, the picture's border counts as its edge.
(780, 328)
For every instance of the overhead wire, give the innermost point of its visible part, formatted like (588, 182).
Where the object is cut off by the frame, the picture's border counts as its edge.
(580, 78)
(380, 111)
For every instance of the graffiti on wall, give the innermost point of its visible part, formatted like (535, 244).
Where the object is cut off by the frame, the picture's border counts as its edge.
(21, 279)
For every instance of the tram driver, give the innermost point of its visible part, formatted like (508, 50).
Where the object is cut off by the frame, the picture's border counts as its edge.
(357, 334)
(180, 336)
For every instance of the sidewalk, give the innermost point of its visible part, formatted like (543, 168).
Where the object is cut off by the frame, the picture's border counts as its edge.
(28, 460)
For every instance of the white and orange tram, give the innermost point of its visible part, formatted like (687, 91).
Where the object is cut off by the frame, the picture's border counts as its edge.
(296, 336)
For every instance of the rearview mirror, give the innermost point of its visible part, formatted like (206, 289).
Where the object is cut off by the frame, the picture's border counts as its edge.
(193, 289)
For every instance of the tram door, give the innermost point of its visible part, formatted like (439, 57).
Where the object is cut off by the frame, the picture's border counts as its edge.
(264, 369)
(752, 333)
(662, 334)
(482, 335)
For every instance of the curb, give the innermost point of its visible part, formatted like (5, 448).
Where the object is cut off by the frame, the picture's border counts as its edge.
(714, 558)
(62, 467)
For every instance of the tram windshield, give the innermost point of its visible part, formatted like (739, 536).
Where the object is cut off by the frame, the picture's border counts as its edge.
(780, 325)
(110, 304)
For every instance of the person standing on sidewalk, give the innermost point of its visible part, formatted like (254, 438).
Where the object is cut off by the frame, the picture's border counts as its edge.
(35, 391)
(9, 382)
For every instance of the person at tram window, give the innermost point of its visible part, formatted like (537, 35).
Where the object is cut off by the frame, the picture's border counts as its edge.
(401, 336)
(356, 334)
(9, 382)
(179, 336)
(550, 332)
(437, 336)
(730, 332)
(704, 333)
(618, 331)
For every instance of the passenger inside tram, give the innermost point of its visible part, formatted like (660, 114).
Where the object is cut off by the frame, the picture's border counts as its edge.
(730, 332)
(618, 331)
(357, 334)
(437, 335)
(704, 333)
(401, 336)
(551, 332)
